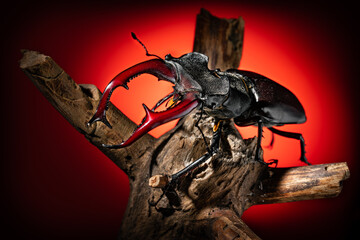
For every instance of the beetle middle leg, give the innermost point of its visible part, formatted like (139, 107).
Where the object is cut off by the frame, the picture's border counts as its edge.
(214, 146)
(297, 136)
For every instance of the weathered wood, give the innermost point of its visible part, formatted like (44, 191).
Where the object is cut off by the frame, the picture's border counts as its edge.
(223, 224)
(302, 183)
(77, 104)
(220, 39)
(209, 201)
(158, 181)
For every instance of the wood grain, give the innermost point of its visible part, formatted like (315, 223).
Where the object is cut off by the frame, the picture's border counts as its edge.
(77, 104)
(220, 39)
(303, 183)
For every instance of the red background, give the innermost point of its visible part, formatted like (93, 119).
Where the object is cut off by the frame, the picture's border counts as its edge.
(58, 186)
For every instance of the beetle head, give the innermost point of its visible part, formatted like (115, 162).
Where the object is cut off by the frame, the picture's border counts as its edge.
(193, 74)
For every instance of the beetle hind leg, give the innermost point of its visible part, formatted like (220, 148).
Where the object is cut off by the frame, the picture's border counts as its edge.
(271, 144)
(258, 145)
(297, 136)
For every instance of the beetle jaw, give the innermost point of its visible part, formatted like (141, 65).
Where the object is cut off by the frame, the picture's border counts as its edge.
(154, 119)
(155, 67)
(161, 69)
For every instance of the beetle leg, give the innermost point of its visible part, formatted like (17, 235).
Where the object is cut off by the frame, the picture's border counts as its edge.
(215, 142)
(189, 167)
(169, 192)
(258, 145)
(273, 161)
(271, 144)
(297, 136)
(198, 127)
(159, 103)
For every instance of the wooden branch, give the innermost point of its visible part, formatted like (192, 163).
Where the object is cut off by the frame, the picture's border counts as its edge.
(158, 181)
(302, 183)
(222, 224)
(77, 103)
(219, 39)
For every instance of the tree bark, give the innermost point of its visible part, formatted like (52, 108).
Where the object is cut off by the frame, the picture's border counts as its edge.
(208, 202)
(77, 104)
(302, 183)
(219, 39)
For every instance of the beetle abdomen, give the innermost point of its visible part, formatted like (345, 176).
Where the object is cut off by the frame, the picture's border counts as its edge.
(273, 103)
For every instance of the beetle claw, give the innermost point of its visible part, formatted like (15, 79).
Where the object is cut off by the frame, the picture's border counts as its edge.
(304, 159)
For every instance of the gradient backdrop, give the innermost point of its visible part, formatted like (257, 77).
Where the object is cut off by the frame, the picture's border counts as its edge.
(58, 186)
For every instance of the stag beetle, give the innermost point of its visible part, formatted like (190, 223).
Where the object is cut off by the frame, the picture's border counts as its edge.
(247, 97)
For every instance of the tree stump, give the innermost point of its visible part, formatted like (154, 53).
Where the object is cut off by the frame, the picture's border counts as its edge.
(207, 203)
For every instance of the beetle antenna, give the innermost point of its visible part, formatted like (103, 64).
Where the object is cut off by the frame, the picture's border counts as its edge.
(147, 53)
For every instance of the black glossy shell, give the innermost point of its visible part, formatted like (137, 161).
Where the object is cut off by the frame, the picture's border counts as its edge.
(194, 67)
(272, 103)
